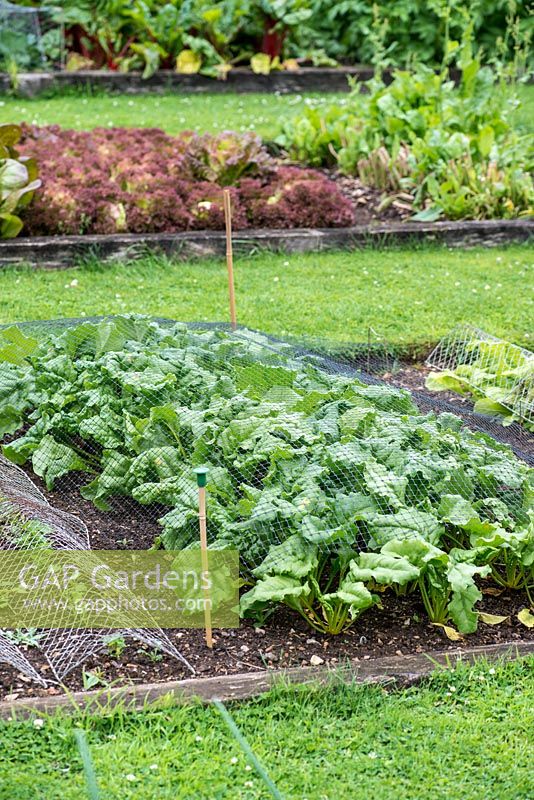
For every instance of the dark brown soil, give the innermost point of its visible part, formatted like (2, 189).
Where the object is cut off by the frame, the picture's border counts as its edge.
(284, 641)
(127, 526)
(368, 201)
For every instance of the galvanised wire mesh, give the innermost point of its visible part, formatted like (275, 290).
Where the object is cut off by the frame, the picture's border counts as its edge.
(29, 522)
(309, 457)
(499, 373)
(21, 35)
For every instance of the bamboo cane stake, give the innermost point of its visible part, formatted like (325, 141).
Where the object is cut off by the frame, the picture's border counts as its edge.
(201, 474)
(229, 256)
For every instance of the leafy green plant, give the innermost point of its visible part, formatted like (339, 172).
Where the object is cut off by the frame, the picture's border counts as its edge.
(150, 34)
(18, 181)
(452, 147)
(226, 158)
(410, 31)
(445, 580)
(315, 584)
(155, 655)
(280, 16)
(90, 679)
(30, 637)
(20, 531)
(115, 644)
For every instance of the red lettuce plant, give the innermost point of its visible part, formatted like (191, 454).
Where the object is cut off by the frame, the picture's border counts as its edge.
(145, 181)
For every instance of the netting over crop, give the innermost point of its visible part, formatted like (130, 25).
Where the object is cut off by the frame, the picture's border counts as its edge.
(497, 372)
(29, 522)
(329, 482)
(21, 35)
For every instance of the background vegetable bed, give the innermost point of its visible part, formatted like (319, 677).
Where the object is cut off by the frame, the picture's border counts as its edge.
(142, 180)
(430, 147)
(211, 36)
(476, 167)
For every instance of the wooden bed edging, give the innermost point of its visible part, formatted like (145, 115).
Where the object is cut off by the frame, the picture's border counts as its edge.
(53, 252)
(399, 670)
(240, 80)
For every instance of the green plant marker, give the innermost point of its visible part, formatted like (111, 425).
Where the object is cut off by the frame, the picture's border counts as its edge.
(240, 739)
(202, 476)
(88, 768)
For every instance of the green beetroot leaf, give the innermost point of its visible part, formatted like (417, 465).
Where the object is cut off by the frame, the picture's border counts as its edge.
(354, 594)
(112, 480)
(456, 510)
(405, 524)
(384, 568)
(383, 483)
(294, 557)
(465, 593)
(274, 589)
(417, 551)
(15, 347)
(52, 459)
(17, 386)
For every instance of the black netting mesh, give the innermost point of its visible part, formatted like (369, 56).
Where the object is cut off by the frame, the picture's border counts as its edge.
(309, 452)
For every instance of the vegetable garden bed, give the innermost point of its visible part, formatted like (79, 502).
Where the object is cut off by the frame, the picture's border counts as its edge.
(116, 190)
(369, 493)
(401, 670)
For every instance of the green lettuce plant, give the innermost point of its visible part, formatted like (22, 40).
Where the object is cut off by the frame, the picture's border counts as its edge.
(452, 146)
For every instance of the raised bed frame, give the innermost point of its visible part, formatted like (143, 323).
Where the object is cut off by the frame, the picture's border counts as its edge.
(398, 671)
(239, 80)
(56, 252)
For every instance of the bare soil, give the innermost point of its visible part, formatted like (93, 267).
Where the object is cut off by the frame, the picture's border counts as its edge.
(368, 201)
(285, 640)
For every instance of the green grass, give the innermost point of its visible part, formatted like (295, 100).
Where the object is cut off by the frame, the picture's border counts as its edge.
(525, 113)
(406, 297)
(464, 735)
(263, 113)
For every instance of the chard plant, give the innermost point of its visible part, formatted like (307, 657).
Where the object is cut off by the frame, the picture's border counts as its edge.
(454, 148)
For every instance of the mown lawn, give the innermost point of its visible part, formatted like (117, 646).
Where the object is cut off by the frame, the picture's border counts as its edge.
(404, 296)
(464, 735)
(262, 113)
